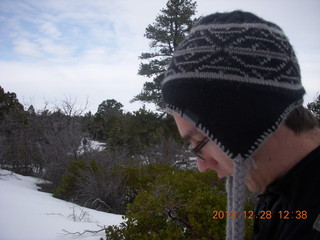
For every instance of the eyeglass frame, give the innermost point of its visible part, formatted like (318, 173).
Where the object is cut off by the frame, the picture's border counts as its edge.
(196, 150)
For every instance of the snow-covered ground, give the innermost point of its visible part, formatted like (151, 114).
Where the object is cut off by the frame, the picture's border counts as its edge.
(88, 145)
(27, 214)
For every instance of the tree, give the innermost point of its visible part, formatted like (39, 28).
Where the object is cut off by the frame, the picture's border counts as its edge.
(148, 138)
(314, 107)
(16, 145)
(8, 102)
(168, 30)
(110, 106)
(108, 115)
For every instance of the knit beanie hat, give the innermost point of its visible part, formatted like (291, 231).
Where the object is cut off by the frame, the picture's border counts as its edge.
(235, 77)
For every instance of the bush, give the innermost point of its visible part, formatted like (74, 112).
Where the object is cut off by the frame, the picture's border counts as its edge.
(178, 205)
(88, 183)
(159, 201)
(67, 189)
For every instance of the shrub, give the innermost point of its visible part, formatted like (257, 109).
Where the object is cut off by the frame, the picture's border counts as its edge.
(178, 205)
(67, 189)
(88, 183)
(161, 202)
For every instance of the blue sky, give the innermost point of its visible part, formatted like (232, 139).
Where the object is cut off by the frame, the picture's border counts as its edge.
(83, 50)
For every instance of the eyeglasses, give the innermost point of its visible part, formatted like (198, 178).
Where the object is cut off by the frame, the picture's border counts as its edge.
(196, 150)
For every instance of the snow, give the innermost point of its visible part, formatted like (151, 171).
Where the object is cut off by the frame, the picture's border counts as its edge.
(28, 214)
(88, 145)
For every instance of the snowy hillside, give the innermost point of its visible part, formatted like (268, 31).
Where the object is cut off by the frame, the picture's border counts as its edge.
(27, 214)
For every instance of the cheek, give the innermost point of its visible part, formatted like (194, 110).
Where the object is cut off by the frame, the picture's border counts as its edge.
(228, 165)
(219, 159)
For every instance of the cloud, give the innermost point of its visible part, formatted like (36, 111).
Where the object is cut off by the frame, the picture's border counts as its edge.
(310, 73)
(96, 54)
(43, 49)
(95, 81)
(83, 48)
(50, 29)
(53, 49)
(27, 48)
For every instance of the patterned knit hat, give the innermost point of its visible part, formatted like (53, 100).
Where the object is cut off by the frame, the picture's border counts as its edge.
(235, 77)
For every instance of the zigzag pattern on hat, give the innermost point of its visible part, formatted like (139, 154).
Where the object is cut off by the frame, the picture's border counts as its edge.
(257, 54)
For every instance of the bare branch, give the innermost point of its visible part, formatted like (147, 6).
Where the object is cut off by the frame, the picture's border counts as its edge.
(93, 232)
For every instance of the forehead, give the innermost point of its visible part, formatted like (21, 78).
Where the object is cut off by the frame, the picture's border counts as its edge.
(186, 129)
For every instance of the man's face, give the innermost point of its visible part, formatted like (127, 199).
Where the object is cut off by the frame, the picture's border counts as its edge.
(213, 156)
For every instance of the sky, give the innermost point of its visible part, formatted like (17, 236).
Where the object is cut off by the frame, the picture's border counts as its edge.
(87, 51)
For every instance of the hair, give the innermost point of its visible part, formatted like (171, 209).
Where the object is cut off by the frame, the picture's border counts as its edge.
(301, 120)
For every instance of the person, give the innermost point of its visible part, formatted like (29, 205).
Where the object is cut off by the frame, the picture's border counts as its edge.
(234, 89)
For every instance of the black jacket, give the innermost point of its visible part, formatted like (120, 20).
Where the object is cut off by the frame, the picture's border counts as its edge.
(294, 202)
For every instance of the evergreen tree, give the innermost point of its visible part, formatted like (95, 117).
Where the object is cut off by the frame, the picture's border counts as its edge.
(168, 30)
(8, 102)
(107, 117)
(110, 106)
(314, 107)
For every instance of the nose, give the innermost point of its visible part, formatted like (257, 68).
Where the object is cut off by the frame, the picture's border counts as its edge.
(201, 166)
(210, 163)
